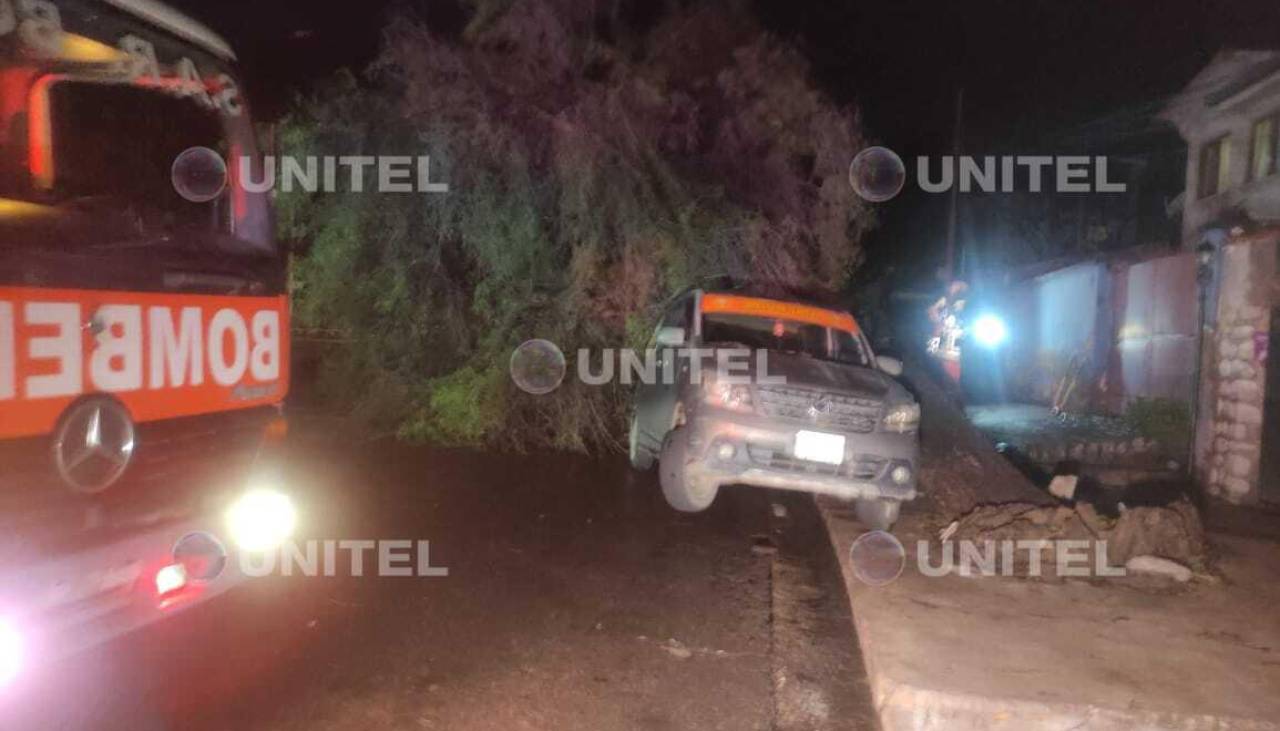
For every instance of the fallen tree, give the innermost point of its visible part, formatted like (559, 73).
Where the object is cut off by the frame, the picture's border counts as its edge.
(595, 167)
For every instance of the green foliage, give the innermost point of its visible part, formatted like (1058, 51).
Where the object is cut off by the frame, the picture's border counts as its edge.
(1168, 421)
(592, 175)
(453, 415)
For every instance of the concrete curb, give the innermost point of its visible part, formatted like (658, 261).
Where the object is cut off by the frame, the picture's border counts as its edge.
(910, 687)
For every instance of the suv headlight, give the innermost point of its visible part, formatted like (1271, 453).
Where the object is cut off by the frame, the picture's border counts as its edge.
(902, 418)
(732, 396)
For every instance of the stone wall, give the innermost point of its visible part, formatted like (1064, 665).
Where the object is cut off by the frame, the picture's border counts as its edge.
(1234, 375)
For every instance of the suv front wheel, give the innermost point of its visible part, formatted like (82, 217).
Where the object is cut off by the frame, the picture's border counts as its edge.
(641, 458)
(682, 491)
(878, 514)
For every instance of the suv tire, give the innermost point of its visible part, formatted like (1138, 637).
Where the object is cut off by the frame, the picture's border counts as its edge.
(878, 514)
(641, 458)
(682, 493)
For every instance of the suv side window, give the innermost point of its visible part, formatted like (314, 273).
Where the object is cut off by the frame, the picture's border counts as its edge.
(848, 349)
(678, 315)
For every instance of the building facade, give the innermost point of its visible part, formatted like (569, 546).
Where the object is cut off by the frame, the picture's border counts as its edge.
(1229, 116)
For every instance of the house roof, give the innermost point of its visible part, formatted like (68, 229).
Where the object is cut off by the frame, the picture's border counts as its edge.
(1230, 74)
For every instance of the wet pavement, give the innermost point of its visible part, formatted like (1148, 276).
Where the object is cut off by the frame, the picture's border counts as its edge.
(575, 599)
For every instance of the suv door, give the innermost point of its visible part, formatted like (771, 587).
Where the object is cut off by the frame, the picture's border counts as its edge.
(655, 402)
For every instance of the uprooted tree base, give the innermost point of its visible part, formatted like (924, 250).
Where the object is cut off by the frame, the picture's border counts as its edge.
(1172, 532)
(966, 483)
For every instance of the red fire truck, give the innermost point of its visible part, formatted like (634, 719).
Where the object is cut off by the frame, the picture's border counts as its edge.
(144, 352)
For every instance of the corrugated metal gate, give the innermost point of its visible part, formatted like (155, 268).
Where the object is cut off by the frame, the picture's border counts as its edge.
(1156, 305)
(1128, 329)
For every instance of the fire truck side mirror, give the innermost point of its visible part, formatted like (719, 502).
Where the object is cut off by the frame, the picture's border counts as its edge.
(297, 246)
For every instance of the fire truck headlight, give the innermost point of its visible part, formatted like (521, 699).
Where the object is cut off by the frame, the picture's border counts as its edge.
(261, 520)
(990, 331)
(10, 652)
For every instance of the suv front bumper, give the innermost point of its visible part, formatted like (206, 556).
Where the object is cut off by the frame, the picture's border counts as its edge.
(726, 448)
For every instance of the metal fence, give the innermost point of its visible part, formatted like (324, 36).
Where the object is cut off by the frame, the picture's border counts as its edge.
(1121, 329)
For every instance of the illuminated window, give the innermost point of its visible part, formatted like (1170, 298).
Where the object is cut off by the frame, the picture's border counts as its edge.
(1264, 151)
(1215, 167)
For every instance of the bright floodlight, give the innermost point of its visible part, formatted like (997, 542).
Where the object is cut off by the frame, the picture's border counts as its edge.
(990, 331)
(262, 520)
(10, 652)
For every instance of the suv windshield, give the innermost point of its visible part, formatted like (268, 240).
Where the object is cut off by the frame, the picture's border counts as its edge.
(784, 336)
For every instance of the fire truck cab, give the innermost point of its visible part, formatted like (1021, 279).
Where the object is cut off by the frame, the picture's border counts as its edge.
(144, 351)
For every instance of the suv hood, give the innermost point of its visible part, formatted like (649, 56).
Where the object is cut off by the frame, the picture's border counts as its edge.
(824, 375)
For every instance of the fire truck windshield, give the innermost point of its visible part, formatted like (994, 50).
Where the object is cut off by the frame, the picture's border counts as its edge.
(114, 147)
(96, 107)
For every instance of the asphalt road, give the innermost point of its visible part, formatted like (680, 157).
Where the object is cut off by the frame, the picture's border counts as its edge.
(575, 599)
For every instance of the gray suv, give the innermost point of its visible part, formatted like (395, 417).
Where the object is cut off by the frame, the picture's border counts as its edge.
(773, 393)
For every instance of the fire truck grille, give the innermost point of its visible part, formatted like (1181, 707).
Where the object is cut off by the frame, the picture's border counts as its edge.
(176, 464)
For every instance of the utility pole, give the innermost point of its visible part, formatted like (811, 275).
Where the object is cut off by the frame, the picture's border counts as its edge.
(949, 268)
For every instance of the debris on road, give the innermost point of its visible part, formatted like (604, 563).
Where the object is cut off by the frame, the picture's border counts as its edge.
(762, 545)
(1173, 531)
(1063, 487)
(1158, 566)
(974, 494)
(677, 649)
(950, 530)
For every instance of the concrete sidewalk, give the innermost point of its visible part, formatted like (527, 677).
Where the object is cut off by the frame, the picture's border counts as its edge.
(1007, 653)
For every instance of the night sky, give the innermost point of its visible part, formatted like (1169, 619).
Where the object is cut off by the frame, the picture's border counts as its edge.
(1029, 68)
(1039, 63)
(1022, 63)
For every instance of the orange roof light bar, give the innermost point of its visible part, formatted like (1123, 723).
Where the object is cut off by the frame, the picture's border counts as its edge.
(732, 304)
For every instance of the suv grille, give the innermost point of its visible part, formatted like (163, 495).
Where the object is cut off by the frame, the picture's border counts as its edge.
(778, 458)
(864, 467)
(846, 413)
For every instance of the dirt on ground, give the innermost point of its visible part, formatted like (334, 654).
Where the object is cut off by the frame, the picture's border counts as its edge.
(972, 493)
(959, 467)
(1173, 532)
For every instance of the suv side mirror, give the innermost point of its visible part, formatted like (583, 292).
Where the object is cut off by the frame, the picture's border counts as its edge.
(892, 366)
(670, 337)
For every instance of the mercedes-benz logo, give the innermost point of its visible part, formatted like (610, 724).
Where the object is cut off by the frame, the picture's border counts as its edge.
(93, 445)
(821, 407)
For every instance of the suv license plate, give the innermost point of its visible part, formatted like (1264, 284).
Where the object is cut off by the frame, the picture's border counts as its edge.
(818, 447)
